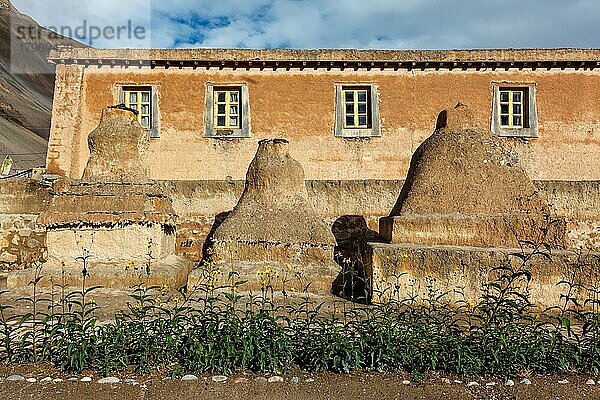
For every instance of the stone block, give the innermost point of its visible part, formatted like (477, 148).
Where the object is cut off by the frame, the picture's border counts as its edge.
(172, 271)
(400, 270)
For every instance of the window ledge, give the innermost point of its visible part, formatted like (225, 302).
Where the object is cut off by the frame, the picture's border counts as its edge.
(227, 134)
(153, 134)
(357, 133)
(521, 133)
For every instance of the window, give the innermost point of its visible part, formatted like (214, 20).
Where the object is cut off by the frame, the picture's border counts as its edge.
(356, 111)
(227, 111)
(514, 111)
(143, 100)
(227, 108)
(139, 99)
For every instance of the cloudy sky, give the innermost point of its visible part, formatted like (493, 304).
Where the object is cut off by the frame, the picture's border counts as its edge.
(381, 24)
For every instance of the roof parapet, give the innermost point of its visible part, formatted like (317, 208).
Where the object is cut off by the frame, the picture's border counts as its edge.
(331, 58)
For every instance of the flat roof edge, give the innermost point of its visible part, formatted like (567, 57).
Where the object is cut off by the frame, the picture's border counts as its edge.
(70, 54)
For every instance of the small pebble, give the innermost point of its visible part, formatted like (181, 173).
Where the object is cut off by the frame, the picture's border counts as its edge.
(446, 380)
(309, 380)
(57, 380)
(490, 384)
(563, 382)
(167, 378)
(509, 382)
(590, 382)
(131, 381)
(72, 379)
(31, 380)
(457, 381)
(190, 377)
(260, 379)
(295, 379)
(406, 382)
(86, 379)
(240, 379)
(275, 378)
(525, 381)
(46, 379)
(109, 379)
(15, 378)
(219, 378)
(471, 384)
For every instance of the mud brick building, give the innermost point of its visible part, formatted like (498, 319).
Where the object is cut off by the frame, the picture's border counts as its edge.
(349, 114)
(353, 119)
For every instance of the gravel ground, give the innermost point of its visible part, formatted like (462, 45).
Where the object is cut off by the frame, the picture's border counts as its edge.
(359, 386)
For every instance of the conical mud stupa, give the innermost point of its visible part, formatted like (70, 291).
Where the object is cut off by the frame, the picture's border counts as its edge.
(464, 187)
(273, 224)
(465, 207)
(115, 215)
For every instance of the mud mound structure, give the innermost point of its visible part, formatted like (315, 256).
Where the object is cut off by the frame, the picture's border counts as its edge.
(115, 216)
(273, 225)
(115, 188)
(274, 205)
(465, 187)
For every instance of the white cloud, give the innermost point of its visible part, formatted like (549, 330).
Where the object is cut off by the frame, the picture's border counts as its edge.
(343, 24)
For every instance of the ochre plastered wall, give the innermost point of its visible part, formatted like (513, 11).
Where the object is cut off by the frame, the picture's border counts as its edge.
(300, 106)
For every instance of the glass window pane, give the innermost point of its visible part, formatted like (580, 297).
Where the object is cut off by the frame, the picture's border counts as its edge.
(220, 108)
(221, 96)
(350, 108)
(504, 120)
(504, 96)
(517, 121)
(362, 95)
(504, 108)
(233, 110)
(146, 97)
(349, 96)
(350, 120)
(221, 121)
(362, 120)
(234, 97)
(233, 121)
(517, 96)
(133, 97)
(516, 108)
(145, 122)
(145, 109)
(362, 108)
(133, 106)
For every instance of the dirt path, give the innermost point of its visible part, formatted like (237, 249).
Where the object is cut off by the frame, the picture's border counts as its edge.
(361, 386)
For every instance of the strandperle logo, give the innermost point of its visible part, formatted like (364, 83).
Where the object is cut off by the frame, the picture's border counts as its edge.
(61, 22)
(85, 32)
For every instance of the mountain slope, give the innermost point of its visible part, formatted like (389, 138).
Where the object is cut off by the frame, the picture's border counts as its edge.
(26, 91)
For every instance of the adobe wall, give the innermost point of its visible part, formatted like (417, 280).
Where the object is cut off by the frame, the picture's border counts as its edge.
(22, 239)
(198, 203)
(300, 106)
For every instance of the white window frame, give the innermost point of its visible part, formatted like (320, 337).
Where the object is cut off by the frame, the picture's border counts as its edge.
(210, 128)
(153, 130)
(530, 122)
(340, 113)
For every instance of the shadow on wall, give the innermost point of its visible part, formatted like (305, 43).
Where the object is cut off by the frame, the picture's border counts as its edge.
(352, 235)
(219, 218)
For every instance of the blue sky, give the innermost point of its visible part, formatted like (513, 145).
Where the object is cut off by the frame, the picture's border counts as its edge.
(380, 24)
